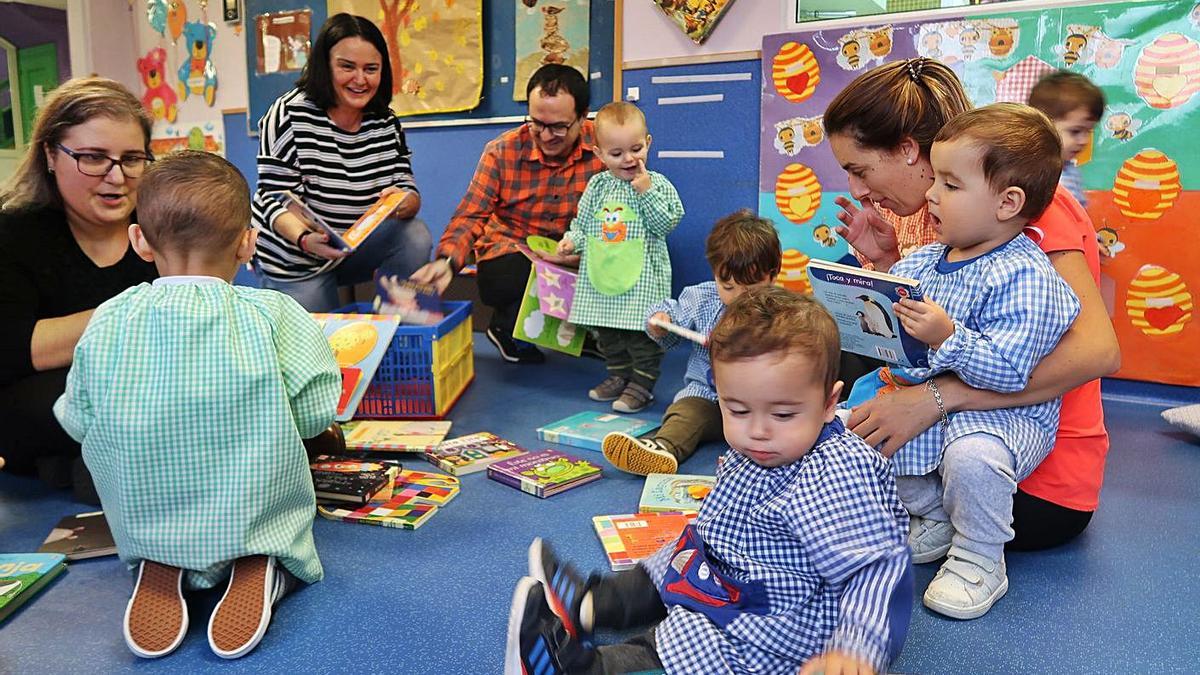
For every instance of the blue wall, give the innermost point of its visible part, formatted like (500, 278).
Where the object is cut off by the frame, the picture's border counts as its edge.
(444, 158)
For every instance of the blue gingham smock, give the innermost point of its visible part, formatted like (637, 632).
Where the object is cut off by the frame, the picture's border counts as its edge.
(190, 401)
(1010, 308)
(698, 308)
(826, 535)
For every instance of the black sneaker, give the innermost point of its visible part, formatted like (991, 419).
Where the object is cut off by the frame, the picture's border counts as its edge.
(514, 351)
(563, 587)
(537, 643)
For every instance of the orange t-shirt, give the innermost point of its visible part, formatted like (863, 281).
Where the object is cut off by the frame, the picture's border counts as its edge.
(1072, 473)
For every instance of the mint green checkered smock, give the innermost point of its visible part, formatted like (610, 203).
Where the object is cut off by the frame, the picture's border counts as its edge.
(190, 401)
(650, 216)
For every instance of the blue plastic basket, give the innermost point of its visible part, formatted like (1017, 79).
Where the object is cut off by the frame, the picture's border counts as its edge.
(426, 368)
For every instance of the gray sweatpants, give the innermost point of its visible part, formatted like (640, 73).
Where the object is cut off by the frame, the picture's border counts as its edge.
(972, 489)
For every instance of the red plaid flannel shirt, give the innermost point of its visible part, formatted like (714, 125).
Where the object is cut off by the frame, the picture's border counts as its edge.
(516, 193)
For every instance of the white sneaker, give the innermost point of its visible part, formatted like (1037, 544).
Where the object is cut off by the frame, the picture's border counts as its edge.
(967, 585)
(928, 540)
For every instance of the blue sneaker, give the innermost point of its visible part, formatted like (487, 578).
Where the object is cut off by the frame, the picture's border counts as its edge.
(537, 642)
(563, 586)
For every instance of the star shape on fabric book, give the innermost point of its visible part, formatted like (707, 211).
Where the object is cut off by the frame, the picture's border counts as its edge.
(555, 303)
(550, 277)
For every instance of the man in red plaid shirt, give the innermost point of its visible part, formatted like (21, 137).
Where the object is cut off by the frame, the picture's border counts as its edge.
(528, 181)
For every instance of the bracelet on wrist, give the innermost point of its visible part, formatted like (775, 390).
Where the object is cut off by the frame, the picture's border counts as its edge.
(937, 398)
(300, 240)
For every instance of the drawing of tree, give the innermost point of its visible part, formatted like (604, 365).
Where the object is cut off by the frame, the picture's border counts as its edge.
(395, 14)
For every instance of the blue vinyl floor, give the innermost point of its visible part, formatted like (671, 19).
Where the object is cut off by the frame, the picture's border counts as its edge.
(1124, 597)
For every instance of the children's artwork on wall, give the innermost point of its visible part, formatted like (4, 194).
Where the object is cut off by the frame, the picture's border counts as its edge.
(159, 98)
(176, 18)
(795, 134)
(696, 18)
(283, 41)
(207, 136)
(793, 272)
(550, 31)
(863, 48)
(435, 49)
(198, 75)
(156, 15)
(1141, 174)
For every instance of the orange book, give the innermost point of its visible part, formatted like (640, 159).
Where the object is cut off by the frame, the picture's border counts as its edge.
(630, 538)
(373, 218)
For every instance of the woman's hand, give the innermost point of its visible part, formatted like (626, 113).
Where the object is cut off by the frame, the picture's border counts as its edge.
(890, 420)
(869, 234)
(408, 206)
(925, 320)
(836, 663)
(317, 243)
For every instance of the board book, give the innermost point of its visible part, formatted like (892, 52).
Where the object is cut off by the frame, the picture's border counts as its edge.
(80, 537)
(22, 575)
(413, 303)
(468, 454)
(544, 473)
(359, 343)
(394, 435)
(674, 492)
(861, 303)
(588, 429)
(415, 497)
(354, 235)
(630, 538)
(685, 333)
(349, 479)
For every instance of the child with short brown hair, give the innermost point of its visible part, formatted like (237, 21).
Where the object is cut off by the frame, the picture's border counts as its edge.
(1075, 106)
(743, 251)
(797, 557)
(191, 398)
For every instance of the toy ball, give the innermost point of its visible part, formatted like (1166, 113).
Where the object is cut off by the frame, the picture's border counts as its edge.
(1167, 73)
(1146, 185)
(1158, 301)
(797, 193)
(793, 273)
(795, 72)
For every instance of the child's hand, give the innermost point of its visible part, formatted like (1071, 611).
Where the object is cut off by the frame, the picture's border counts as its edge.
(925, 320)
(836, 663)
(868, 233)
(565, 247)
(654, 331)
(641, 179)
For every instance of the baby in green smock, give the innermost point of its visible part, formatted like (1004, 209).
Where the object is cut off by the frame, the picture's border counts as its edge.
(190, 397)
(620, 231)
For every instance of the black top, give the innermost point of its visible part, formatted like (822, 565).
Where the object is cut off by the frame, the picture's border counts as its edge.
(44, 275)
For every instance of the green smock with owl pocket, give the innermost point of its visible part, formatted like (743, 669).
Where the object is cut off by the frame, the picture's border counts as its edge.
(621, 236)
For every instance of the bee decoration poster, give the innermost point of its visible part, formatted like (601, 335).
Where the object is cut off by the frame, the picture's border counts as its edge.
(1140, 175)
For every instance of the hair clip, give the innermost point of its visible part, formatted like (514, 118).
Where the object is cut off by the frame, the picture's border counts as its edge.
(915, 68)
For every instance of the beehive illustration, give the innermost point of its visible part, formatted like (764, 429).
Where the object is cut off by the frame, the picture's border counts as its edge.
(795, 72)
(1146, 185)
(793, 273)
(1158, 301)
(797, 193)
(1167, 73)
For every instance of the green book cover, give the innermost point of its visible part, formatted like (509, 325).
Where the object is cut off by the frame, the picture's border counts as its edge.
(22, 575)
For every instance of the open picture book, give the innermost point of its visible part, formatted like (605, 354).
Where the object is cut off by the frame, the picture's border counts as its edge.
(861, 302)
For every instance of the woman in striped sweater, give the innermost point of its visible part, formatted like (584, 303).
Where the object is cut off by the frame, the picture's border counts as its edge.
(334, 142)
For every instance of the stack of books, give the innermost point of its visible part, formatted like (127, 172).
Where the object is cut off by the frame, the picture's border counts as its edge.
(414, 498)
(353, 480)
(475, 452)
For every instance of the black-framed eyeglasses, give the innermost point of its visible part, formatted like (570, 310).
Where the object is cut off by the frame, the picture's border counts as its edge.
(96, 164)
(559, 130)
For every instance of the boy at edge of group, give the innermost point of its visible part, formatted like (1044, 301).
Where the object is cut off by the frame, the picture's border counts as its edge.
(743, 251)
(994, 307)
(190, 397)
(619, 231)
(797, 557)
(1075, 106)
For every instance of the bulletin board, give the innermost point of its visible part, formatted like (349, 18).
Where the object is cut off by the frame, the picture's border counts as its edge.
(1141, 173)
(499, 17)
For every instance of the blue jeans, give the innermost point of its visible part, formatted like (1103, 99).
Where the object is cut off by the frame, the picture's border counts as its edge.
(398, 247)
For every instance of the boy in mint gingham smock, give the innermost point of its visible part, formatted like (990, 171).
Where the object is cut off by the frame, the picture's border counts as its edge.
(191, 398)
(620, 232)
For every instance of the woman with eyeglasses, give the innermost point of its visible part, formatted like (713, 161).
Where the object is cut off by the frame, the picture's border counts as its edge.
(334, 143)
(64, 250)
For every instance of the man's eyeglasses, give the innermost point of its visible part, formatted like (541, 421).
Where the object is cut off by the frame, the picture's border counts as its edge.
(559, 130)
(97, 165)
